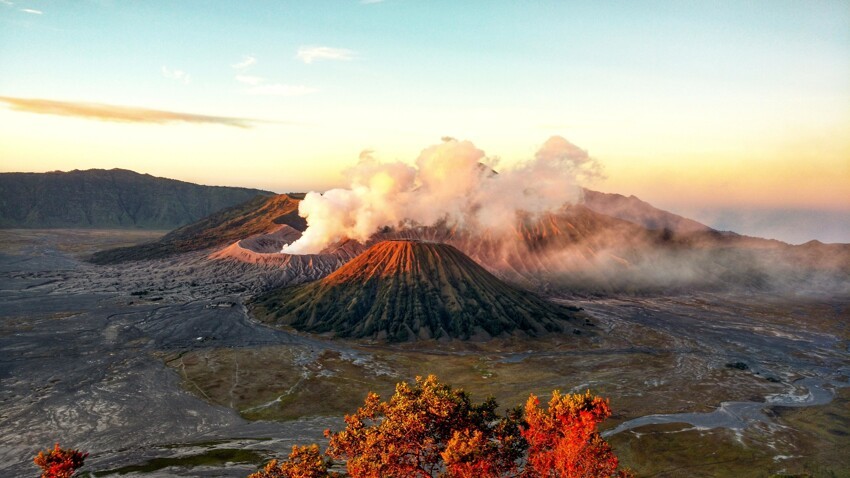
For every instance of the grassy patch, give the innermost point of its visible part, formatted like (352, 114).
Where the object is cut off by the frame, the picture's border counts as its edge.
(288, 382)
(812, 442)
(678, 450)
(818, 438)
(217, 457)
(329, 385)
(76, 242)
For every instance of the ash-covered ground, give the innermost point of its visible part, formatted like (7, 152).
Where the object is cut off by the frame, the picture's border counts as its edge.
(156, 368)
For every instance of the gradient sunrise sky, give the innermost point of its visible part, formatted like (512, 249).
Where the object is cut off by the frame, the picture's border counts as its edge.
(734, 113)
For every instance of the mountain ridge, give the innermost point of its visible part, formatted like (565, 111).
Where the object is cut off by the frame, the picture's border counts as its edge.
(640, 212)
(109, 199)
(261, 214)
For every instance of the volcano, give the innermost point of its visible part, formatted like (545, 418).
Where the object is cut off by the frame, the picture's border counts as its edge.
(404, 290)
(610, 243)
(275, 215)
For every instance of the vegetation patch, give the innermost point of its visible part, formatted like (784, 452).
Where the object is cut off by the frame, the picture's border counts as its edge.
(217, 457)
(677, 449)
(811, 442)
(289, 382)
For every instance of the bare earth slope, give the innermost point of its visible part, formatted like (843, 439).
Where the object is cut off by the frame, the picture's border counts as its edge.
(403, 290)
(262, 214)
(107, 199)
(640, 212)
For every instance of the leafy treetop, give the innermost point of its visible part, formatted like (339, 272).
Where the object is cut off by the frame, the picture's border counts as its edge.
(427, 429)
(59, 462)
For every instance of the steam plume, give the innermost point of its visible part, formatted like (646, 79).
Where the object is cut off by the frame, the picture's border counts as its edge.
(452, 182)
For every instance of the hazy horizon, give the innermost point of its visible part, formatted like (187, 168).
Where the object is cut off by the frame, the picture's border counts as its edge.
(794, 226)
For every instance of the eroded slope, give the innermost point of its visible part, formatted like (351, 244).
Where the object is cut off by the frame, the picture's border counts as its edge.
(403, 290)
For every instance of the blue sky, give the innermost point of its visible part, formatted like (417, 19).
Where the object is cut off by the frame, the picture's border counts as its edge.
(693, 106)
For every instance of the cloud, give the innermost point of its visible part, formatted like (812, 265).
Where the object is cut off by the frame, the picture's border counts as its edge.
(247, 61)
(258, 85)
(7, 3)
(123, 114)
(278, 89)
(308, 54)
(32, 11)
(371, 2)
(249, 80)
(178, 75)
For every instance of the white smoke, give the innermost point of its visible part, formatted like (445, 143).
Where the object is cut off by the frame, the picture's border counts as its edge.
(450, 182)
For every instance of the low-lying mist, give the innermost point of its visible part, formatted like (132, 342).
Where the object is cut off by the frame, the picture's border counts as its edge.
(530, 224)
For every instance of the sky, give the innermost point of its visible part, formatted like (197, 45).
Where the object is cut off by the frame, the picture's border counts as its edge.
(733, 113)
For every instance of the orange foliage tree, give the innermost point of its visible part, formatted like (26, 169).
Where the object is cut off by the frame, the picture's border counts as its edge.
(563, 440)
(427, 429)
(303, 462)
(59, 462)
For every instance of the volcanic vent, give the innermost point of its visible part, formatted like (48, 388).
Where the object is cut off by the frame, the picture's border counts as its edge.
(404, 290)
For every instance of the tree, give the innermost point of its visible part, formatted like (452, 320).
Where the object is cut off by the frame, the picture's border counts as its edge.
(59, 462)
(303, 462)
(427, 429)
(563, 440)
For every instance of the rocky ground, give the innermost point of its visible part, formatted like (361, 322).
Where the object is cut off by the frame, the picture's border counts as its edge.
(155, 368)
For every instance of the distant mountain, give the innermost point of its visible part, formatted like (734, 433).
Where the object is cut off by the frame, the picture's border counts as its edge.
(260, 215)
(640, 212)
(403, 290)
(107, 199)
